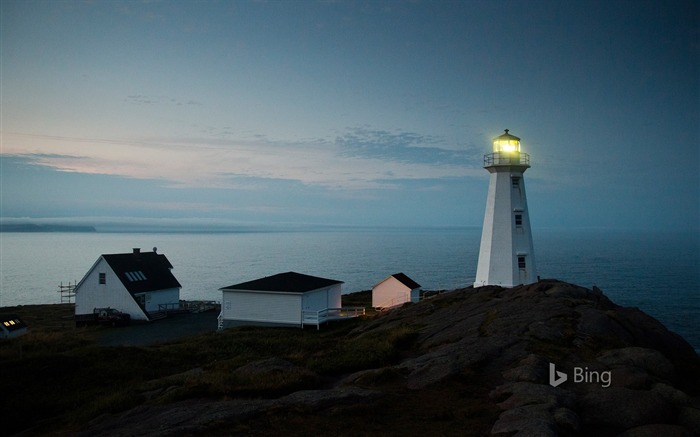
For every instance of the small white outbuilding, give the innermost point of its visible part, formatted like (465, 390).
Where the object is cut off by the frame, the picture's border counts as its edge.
(395, 290)
(11, 326)
(140, 284)
(284, 299)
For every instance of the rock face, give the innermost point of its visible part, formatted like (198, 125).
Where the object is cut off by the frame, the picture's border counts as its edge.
(513, 334)
(197, 416)
(626, 372)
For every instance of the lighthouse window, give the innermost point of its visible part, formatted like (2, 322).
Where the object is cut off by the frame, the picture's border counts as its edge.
(518, 219)
(516, 182)
(521, 262)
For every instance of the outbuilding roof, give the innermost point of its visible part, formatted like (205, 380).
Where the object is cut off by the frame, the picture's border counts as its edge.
(290, 282)
(141, 272)
(11, 322)
(405, 280)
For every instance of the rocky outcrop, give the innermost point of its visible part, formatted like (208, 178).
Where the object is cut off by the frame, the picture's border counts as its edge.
(198, 416)
(626, 372)
(512, 335)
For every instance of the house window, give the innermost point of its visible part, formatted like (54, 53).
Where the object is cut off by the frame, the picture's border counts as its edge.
(516, 182)
(103, 278)
(518, 220)
(521, 262)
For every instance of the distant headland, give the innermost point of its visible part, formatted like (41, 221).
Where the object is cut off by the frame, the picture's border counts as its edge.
(30, 227)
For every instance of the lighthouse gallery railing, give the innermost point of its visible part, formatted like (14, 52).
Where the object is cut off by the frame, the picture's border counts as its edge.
(504, 158)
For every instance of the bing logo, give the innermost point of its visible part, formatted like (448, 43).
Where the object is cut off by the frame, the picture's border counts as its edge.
(556, 378)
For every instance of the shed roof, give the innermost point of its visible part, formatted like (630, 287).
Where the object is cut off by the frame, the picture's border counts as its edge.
(11, 322)
(405, 280)
(290, 282)
(141, 272)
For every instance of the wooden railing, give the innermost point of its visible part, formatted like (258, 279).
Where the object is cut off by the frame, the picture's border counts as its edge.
(394, 302)
(324, 315)
(317, 317)
(157, 315)
(196, 306)
(425, 294)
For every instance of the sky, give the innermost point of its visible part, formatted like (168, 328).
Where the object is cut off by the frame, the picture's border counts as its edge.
(347, 113)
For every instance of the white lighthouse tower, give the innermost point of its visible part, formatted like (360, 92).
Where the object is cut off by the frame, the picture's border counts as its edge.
(506, 255)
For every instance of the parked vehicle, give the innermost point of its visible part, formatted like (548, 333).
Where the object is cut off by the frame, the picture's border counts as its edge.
(103, 316)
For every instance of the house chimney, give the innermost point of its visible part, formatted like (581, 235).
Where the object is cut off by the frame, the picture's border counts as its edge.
(137, 250)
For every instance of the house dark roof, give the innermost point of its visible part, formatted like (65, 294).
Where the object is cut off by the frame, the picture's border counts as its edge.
(405, 280)
(142, 271)
(290, 282)
(11, 322)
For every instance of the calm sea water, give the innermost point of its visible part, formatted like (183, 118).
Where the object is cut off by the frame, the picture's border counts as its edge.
(657, 272)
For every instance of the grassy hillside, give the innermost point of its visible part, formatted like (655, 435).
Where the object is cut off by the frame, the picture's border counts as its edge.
(468, 362)
(60, 378)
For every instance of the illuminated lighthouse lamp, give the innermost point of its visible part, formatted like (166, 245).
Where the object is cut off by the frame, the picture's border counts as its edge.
(506, 151)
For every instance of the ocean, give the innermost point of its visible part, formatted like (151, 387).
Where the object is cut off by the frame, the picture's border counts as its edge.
(658, 272)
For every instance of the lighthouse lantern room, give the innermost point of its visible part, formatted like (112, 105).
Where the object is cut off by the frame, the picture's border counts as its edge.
(506, 254)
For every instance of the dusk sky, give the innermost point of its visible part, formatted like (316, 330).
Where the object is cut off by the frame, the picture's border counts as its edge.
(228, 113)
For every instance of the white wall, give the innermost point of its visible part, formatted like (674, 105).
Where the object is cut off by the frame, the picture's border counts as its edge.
(315, 300)
(161, 297)
(4, 333)
(284, 308)
(335, 299)
(90, 294)
(323, 298)
(415, 295)
(390, 292)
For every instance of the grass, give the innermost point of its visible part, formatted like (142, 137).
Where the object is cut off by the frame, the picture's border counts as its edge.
(58, 376)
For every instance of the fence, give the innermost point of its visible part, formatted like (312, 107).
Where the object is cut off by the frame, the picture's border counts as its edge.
(325, 315)
(194, 306)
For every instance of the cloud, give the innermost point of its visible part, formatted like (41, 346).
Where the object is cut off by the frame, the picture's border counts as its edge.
(407, 147)
(358, 159)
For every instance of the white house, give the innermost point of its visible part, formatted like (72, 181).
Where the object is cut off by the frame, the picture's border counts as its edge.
(11, 326)
(291, 299)
(395, 290)
(137, 283)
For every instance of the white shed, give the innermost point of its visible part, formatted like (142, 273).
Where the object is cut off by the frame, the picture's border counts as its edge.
(11, 326)
(291, 299)
(395, 290)
(138, 283)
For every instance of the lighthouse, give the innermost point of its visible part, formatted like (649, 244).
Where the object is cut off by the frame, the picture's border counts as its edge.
(506, 254)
